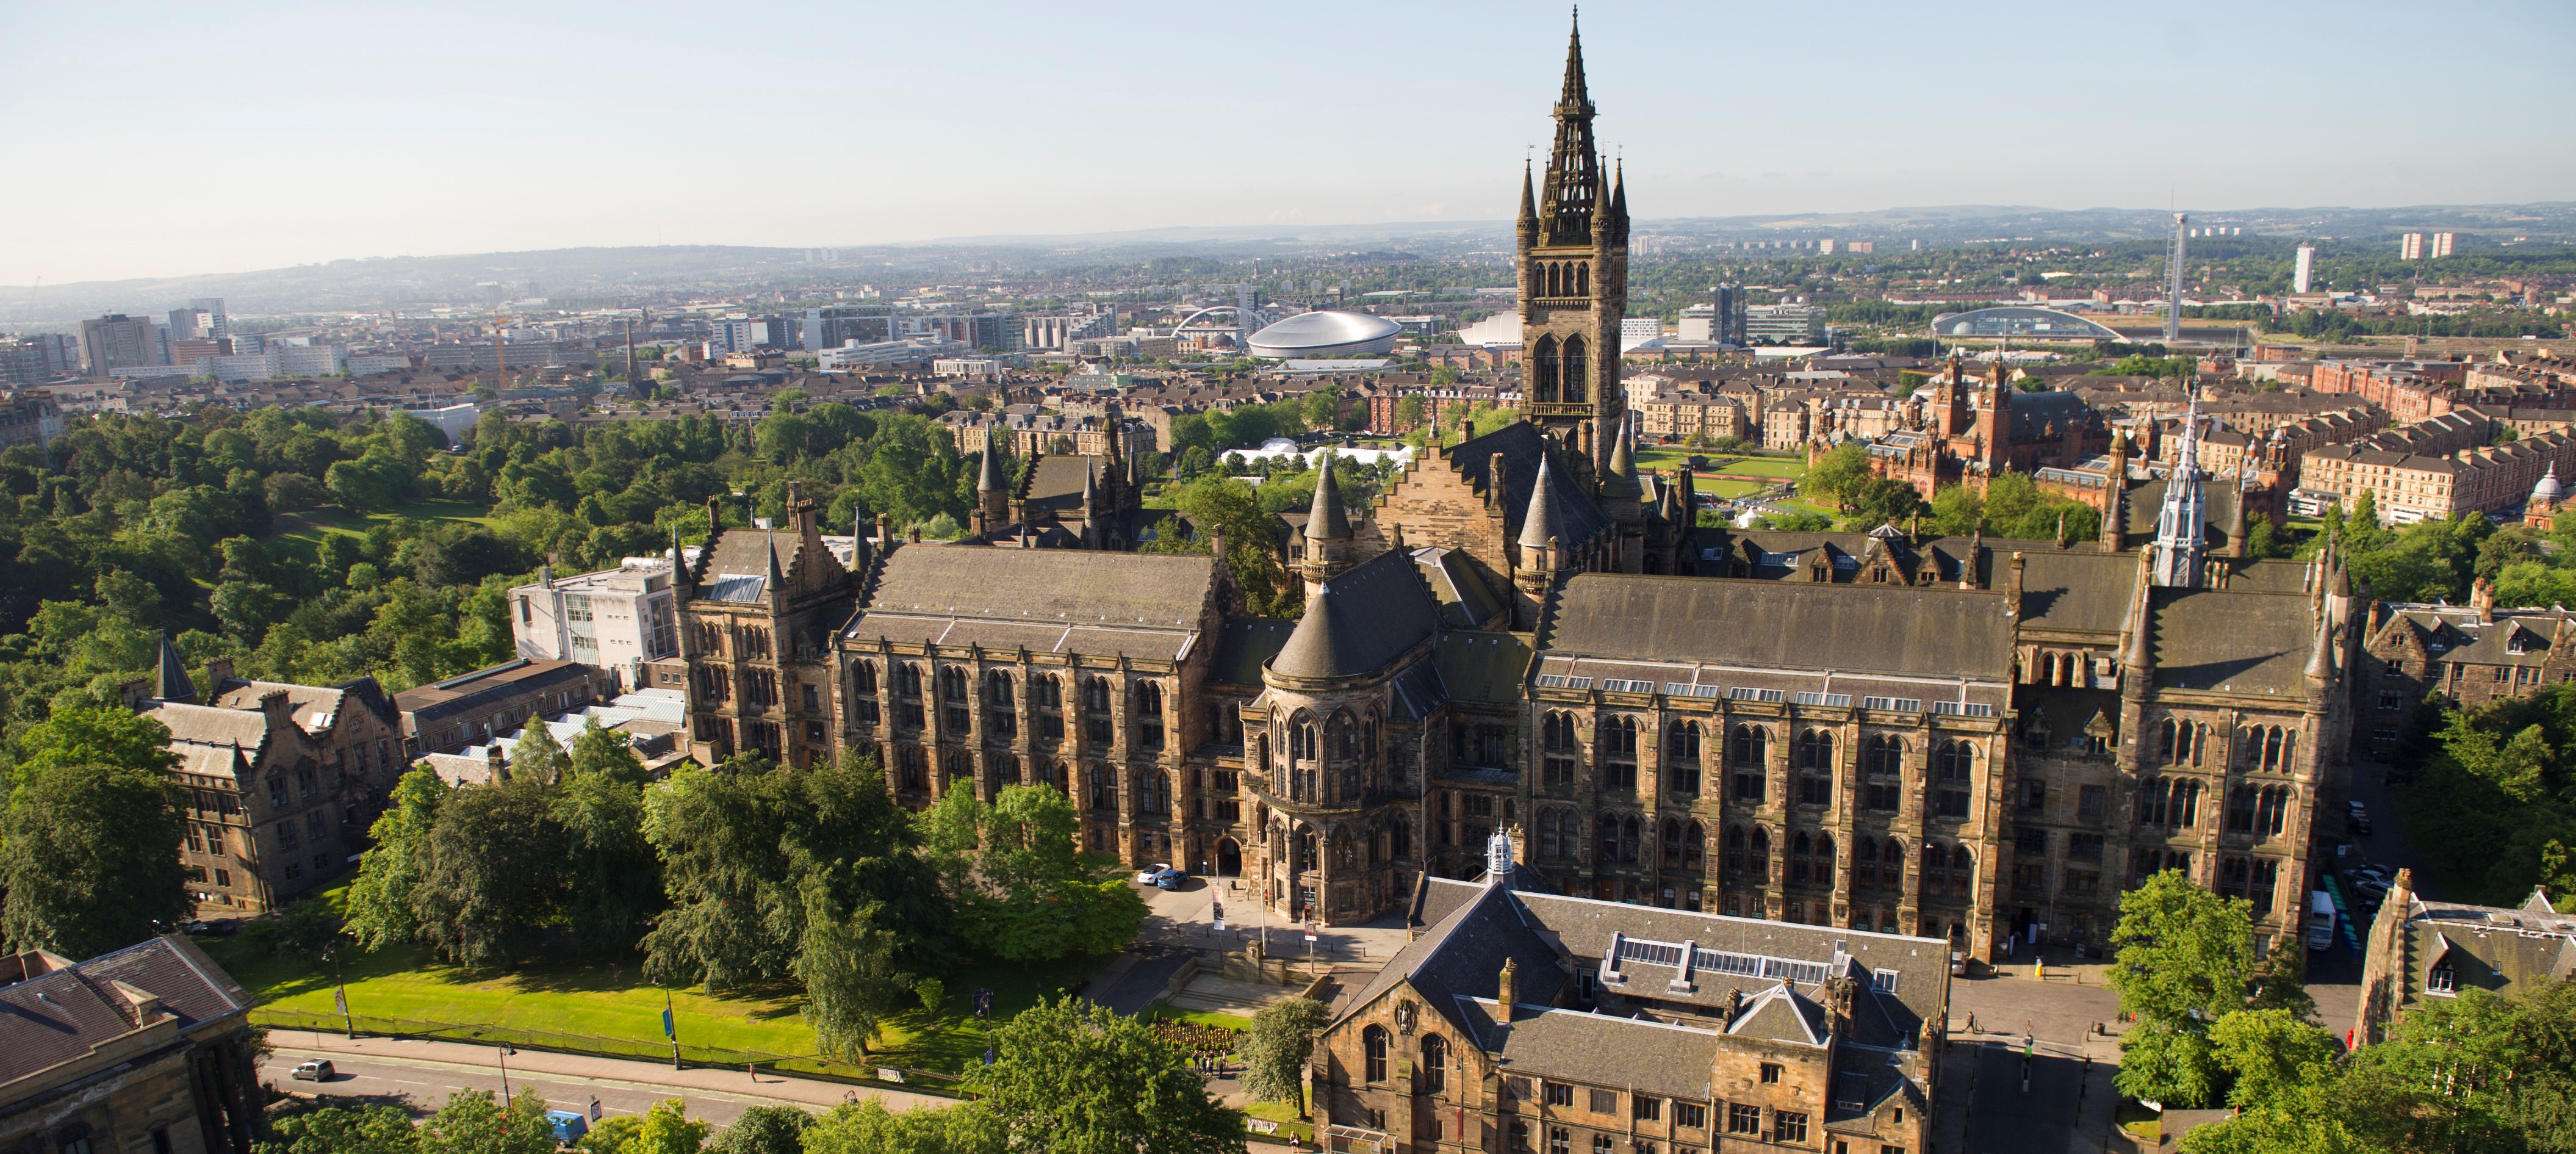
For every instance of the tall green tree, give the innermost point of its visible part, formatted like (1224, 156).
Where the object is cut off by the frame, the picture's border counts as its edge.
(379, 902)
(475, 1122)
(370, 1128)
(613, 880)
(1837, 474)
(847, 963)
(494, 877)
(89, 858)
(668, 1129)
(1079, 1078)
(2183, 957)
(765, 1130)
(867, 1127)
(1040, 895)
(1275, 1049)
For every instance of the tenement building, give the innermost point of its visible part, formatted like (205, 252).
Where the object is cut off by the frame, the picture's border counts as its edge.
(1521, 1020)
(1939, 737)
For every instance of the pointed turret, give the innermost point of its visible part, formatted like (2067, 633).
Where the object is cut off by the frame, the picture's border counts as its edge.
(1623, 455)
(1327, 520)
(681, 583)
(988, 472)
(1313, 651)
(777, 578)
(170, 680)
(2321, 658)
(1538, 522)
(2138, 660)
(1529, 199)
(1618, 215)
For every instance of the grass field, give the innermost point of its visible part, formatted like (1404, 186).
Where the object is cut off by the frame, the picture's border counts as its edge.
(610, 999)
(302, 532)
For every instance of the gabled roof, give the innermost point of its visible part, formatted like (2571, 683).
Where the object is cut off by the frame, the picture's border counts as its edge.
(1782, 1014)
(1926, 631)
(1463, 956)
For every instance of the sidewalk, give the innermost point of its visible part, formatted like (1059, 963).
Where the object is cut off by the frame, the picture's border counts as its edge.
(464, 1056)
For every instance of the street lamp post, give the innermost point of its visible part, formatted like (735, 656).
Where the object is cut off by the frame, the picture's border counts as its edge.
(340, 989)
(506, 1051)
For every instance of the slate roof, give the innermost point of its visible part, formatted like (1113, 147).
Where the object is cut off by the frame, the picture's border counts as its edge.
(1465, 602)
(2043, 416)
(1649, 1057)
(1141, 605)
(1245, 645)
(60, 1016)
(313, 707)
(1482, 666)
(1361, 622)
(1519, 446)
(2466, 637)
(1931, 632)
(483, 688)
(1462, 957)
(2247, 643)
(2079, 591)
(2146, 502)
(210, 725)
(2489, 947)
(1057, 481)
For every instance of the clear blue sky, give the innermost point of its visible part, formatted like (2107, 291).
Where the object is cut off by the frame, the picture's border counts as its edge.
(148, 139)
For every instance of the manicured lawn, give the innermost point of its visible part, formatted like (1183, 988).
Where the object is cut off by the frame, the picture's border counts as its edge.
(1786, 468)
(1730, 489)
(1202, 1017)
(609, 999)
(302, 533)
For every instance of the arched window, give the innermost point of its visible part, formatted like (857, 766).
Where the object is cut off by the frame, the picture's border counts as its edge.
(1435, 1064)
(1373, 1043)
(1891, 864)
(1963, 871)
(1576, 386)
(1956, 767)
(1544, 370)
(1302, 743)
(1307, 857)
(952, 683)
(997, 688)
(1569, 834)
(1681, 757)
(1814, 749)
(1583, 280)
(1149, 698)
(1672, 839)
(863, 677)
(1607, 851)
(1346, 854)
(1619, 737)
(1547, 834)
(2272, 813)
(2240, 809)
(1555, 276)
(1758, 856)
(1628, 841)
(1801, 848)
(1734, 850)
(1824, 859)
(1883, 755)
(1694, 846)
(1752, 743)
(1556, 732)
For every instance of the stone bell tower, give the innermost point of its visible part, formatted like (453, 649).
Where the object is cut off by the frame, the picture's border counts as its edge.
(1573, 258)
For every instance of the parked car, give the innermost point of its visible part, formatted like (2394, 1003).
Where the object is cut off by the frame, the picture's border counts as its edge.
(1170, 879)
(1145, 877)
(314, 1070)
(2373, 872)
(2360, 819)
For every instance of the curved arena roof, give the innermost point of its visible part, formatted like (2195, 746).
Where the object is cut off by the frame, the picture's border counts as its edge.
(1326, 333)
(2021, 321)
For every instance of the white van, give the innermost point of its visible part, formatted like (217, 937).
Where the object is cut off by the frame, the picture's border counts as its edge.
(2321, 920)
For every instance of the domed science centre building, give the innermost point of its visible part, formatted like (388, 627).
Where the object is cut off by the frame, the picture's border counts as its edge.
(1326, 334)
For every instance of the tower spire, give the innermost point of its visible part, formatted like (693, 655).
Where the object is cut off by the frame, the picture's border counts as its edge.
(1573, 165)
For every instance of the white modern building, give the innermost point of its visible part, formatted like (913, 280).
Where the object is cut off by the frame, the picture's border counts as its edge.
(1060, 331)
(616, 619)
(452, 420)
(858, 355)
(373, 363)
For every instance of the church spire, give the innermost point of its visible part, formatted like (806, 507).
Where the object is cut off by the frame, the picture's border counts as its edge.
(1573, 166)
(1529, 197)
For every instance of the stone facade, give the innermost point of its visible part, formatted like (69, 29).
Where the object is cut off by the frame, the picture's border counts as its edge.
(147, 1050)
(280, 782)
(2468, 654)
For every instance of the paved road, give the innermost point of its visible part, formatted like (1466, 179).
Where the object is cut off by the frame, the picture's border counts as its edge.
(421, 1074)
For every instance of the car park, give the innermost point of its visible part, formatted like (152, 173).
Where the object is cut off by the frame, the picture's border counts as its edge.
(314, 1070)
(2360, 819)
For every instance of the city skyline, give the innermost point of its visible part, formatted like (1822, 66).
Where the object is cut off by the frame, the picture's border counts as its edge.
(492, 130)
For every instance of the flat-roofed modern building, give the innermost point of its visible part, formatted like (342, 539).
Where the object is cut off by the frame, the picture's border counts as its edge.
(616, 619)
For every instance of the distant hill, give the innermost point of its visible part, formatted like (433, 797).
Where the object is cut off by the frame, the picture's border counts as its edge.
(606, 275)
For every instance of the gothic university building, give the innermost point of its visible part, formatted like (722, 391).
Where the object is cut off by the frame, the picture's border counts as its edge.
(1937, 737)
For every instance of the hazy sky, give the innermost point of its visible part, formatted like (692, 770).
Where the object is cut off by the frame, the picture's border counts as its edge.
(149, 139)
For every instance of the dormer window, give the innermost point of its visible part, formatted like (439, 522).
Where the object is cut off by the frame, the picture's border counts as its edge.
(2514, 643)
(2441, 980)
